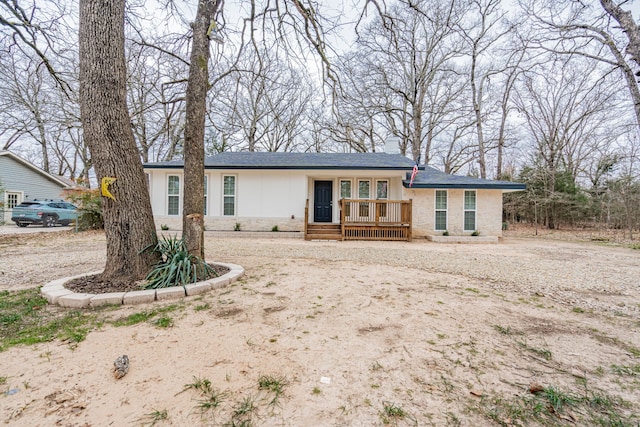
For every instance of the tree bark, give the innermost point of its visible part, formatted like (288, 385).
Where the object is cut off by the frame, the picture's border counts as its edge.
(476, 99)
(128, 220)
(628, 25)
(197, 86)
(632, 30)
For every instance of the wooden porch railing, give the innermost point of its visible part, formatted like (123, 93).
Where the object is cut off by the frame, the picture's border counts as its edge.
(306, 219)
(363, 219)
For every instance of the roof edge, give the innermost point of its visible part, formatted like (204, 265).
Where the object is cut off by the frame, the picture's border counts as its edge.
(516, 186)
(230, 167)
(34, 168)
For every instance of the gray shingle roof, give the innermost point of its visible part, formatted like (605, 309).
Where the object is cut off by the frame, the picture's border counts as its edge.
(433, 178)
(270, 160)
(427, 178)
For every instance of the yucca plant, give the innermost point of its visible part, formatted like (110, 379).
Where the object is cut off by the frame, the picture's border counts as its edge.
(177, 267)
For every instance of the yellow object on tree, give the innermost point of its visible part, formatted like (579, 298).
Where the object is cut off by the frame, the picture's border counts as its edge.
(106, 182)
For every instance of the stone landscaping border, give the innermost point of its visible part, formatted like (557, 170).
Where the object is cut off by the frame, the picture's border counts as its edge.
(56, 293)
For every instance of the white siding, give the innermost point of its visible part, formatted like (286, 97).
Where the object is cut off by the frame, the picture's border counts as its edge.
(264, 198)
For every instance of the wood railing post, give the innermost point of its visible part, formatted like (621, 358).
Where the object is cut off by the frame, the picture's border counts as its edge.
(306, 219)
(342, 216)
(410, 233)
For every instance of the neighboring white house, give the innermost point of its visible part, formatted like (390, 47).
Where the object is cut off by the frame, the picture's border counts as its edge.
(263, 190)
(21, 180)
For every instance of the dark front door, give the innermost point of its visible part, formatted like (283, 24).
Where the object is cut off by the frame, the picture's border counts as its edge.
(322, 201)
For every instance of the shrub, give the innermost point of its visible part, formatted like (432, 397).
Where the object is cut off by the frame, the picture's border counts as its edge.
(475, 233)
(274, 228)
(177, 266)
(164, 227)
(236, 227)
(89, 203)
(445, 233)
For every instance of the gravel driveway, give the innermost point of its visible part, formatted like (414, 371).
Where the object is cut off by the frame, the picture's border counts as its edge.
(586, 276)
(451, 334)
(31, 229)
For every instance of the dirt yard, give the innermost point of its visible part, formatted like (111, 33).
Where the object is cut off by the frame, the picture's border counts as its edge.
(531, 331)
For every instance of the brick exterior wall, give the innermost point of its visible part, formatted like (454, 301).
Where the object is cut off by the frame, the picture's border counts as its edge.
(488, 212)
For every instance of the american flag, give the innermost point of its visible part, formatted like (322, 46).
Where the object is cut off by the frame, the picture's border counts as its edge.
(413, 174)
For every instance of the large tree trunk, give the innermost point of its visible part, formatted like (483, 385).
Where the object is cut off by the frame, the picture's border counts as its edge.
(628, 25)
(128, 219)
(193, 203)
(476, 99)
(632, 31)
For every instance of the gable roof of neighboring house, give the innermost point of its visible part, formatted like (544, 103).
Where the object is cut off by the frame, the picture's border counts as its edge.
(63, 182)
(271, 160)
(433, 178)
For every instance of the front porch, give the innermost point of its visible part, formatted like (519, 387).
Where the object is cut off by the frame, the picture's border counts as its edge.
(364, 219)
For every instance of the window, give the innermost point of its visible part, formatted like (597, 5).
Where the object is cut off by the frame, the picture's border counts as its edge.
(13, 200)
(382, 193)
(441, 210)
(206, 191)
(382, 190)
(470, 210)
(345, 189)
(229, 195)
(173, 194)
(364, 192)
(345, 193)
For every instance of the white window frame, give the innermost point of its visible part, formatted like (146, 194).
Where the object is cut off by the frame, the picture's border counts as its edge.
(347, 211)
(350, 181)
(359, 195)
(382, 207)
(19, 198)
(474, 210)
(178, 195)
(380, 181)
(363, 208)
(436, 210)
(234, 196)
(206, 191)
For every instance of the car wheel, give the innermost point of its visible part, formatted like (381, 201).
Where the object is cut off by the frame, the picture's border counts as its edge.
(22, 224)
(49, 221)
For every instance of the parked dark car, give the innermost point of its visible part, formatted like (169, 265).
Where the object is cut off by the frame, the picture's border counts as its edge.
(46, 212)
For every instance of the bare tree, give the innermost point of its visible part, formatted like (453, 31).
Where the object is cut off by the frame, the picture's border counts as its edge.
(263, 104)
(156, 94)
(566, 106)
(601, 31)
(26, 28)
(196, 97)
(402, 56)
(628, 25)
(511, 72)
(25, 89)
(484, 33)
(37, 113)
